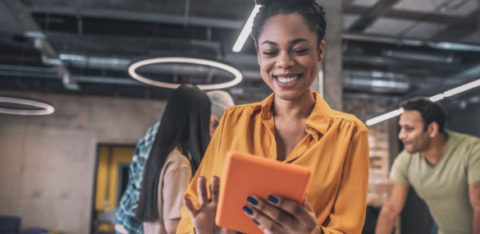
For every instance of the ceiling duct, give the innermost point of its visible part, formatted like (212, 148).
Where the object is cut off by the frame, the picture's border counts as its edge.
(401, 41)
(422, 57)
(96, 62)
(371, 81)
(49, 57)
(121, 64)
(375, 81)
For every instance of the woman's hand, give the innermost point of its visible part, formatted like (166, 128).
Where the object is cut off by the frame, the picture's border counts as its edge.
(203, 219)
(281, 215)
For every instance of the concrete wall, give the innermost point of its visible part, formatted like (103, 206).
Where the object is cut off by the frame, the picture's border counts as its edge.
(47, 162)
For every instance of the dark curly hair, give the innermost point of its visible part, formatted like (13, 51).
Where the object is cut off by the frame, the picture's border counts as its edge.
(430, 111)
(313, 14)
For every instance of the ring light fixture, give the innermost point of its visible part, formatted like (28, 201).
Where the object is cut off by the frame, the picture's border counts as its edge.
(132, 71)
(44, 108)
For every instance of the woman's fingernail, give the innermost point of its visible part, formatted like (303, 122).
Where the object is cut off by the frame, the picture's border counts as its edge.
(273, 199)
(247, 210)
(256, 222)
(252, 200)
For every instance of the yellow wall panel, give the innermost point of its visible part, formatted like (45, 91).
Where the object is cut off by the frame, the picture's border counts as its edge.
(109, 159)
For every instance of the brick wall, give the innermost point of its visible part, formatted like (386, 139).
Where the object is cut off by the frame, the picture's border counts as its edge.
(378, 138)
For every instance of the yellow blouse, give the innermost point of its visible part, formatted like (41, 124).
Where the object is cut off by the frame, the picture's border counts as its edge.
(335, 149)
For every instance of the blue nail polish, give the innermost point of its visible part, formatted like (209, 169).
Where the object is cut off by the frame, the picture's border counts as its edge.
(273, 199)
(247, 210)
(252, 200)
(256, 222)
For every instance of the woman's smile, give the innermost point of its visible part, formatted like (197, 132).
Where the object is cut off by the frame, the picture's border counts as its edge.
(287, 80)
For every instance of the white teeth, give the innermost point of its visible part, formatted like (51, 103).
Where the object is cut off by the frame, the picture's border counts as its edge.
(287, 79)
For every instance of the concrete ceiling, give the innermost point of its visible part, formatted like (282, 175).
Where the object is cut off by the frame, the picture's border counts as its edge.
(85, 46)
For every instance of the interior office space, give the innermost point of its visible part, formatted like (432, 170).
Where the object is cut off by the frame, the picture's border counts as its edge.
(72, 108)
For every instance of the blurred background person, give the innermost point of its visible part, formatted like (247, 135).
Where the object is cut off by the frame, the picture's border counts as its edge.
(221, 100)
(125, 217)
(441, 165)
(177, 150)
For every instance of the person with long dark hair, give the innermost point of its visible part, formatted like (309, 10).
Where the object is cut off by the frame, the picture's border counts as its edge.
(293, 125)
(125, 215)
(178, 148)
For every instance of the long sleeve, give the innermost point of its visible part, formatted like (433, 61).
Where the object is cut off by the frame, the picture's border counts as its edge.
(348, 212)
(335, 149)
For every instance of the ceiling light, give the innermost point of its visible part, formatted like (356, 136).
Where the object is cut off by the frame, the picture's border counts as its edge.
(235, 72)
(44, 108)
(434, 98)
(462, 88)
(384, 117)
(247, 28)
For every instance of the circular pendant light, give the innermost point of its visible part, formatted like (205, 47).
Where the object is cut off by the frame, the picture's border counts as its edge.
(222, 66)
(38, 107)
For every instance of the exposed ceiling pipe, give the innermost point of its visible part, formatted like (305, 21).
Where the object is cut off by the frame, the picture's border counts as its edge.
(49, 57)
(96, 62)
(121, 64)
(375, 74)
(32, 31)
(375, 85)
(26, 68)
(27, 73)
(407, 42)
(423, 57)
(375, 81)
(141, 16)
(234, 24)
(85, 79)
(372, 81)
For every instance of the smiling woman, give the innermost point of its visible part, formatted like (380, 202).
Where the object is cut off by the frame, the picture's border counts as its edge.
(294, 125)
(288, 54)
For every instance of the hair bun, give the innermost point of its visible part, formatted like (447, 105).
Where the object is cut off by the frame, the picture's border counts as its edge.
(269, 2)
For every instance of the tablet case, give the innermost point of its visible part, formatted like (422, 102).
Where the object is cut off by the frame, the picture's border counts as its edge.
(245, 175)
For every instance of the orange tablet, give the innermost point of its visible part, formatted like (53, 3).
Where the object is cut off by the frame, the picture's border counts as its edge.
(245, 175)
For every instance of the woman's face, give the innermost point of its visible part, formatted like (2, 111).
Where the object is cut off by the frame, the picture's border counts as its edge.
(288, 55)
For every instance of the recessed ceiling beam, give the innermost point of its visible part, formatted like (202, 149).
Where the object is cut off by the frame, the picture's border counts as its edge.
(372, 14)
(408, 15)
(141, 16)
(459, 30)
